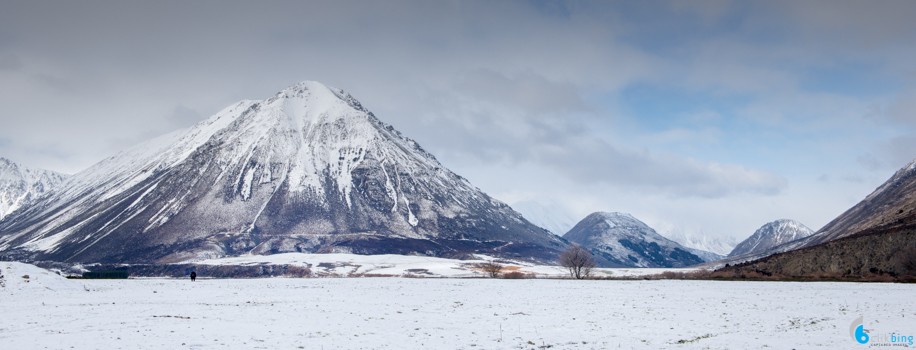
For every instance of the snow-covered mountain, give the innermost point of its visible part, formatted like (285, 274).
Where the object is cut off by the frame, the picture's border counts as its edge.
(770, 235)
(623, 240)
(549, 215)
(720, 246)
(308, 169)
(20, 185)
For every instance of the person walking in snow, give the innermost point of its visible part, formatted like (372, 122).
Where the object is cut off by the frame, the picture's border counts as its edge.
(193, 276)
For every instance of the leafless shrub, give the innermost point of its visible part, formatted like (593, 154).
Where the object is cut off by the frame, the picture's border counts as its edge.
(492, 269)
(516, 275)
(578, 261)
(297, 271)
(672, 275)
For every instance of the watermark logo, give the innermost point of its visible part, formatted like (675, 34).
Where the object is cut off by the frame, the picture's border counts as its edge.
(857, 331)
(875, 339)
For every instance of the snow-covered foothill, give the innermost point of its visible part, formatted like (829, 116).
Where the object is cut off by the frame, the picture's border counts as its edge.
(16, 277)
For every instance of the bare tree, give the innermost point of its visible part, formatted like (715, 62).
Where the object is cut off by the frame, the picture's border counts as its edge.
(491, 268)
(578, 261)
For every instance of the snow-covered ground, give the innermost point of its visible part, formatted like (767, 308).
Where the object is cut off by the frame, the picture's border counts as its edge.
(352, 265)
(411, 313)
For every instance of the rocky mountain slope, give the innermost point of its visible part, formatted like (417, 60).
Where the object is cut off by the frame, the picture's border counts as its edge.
(20, 185)
(881, 254)
(308, 169)
(876, 238)
(623, 240)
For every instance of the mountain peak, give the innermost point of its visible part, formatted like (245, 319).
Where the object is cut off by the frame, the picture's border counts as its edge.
(785, 222)
(907, 170)
(311, 101)
(8, 166)
(311, 86)
(614, 216)
(309, 90)
(308, 169)
(618, 219)
(622, 240)
(770, 235)
(20, 185)
(910, 166)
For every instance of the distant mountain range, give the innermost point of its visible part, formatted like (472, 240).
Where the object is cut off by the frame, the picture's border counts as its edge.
(308, 169)
(719, 246)
(549, 215)
(20, 185)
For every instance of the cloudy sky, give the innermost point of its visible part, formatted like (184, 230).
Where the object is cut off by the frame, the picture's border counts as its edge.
(708, 117)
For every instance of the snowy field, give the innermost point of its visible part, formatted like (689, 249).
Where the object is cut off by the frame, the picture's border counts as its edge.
(46, 311)
(353, 265)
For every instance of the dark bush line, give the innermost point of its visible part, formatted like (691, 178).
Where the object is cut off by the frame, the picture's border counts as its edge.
(107, 274)
(203, 271)
(737, 274)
